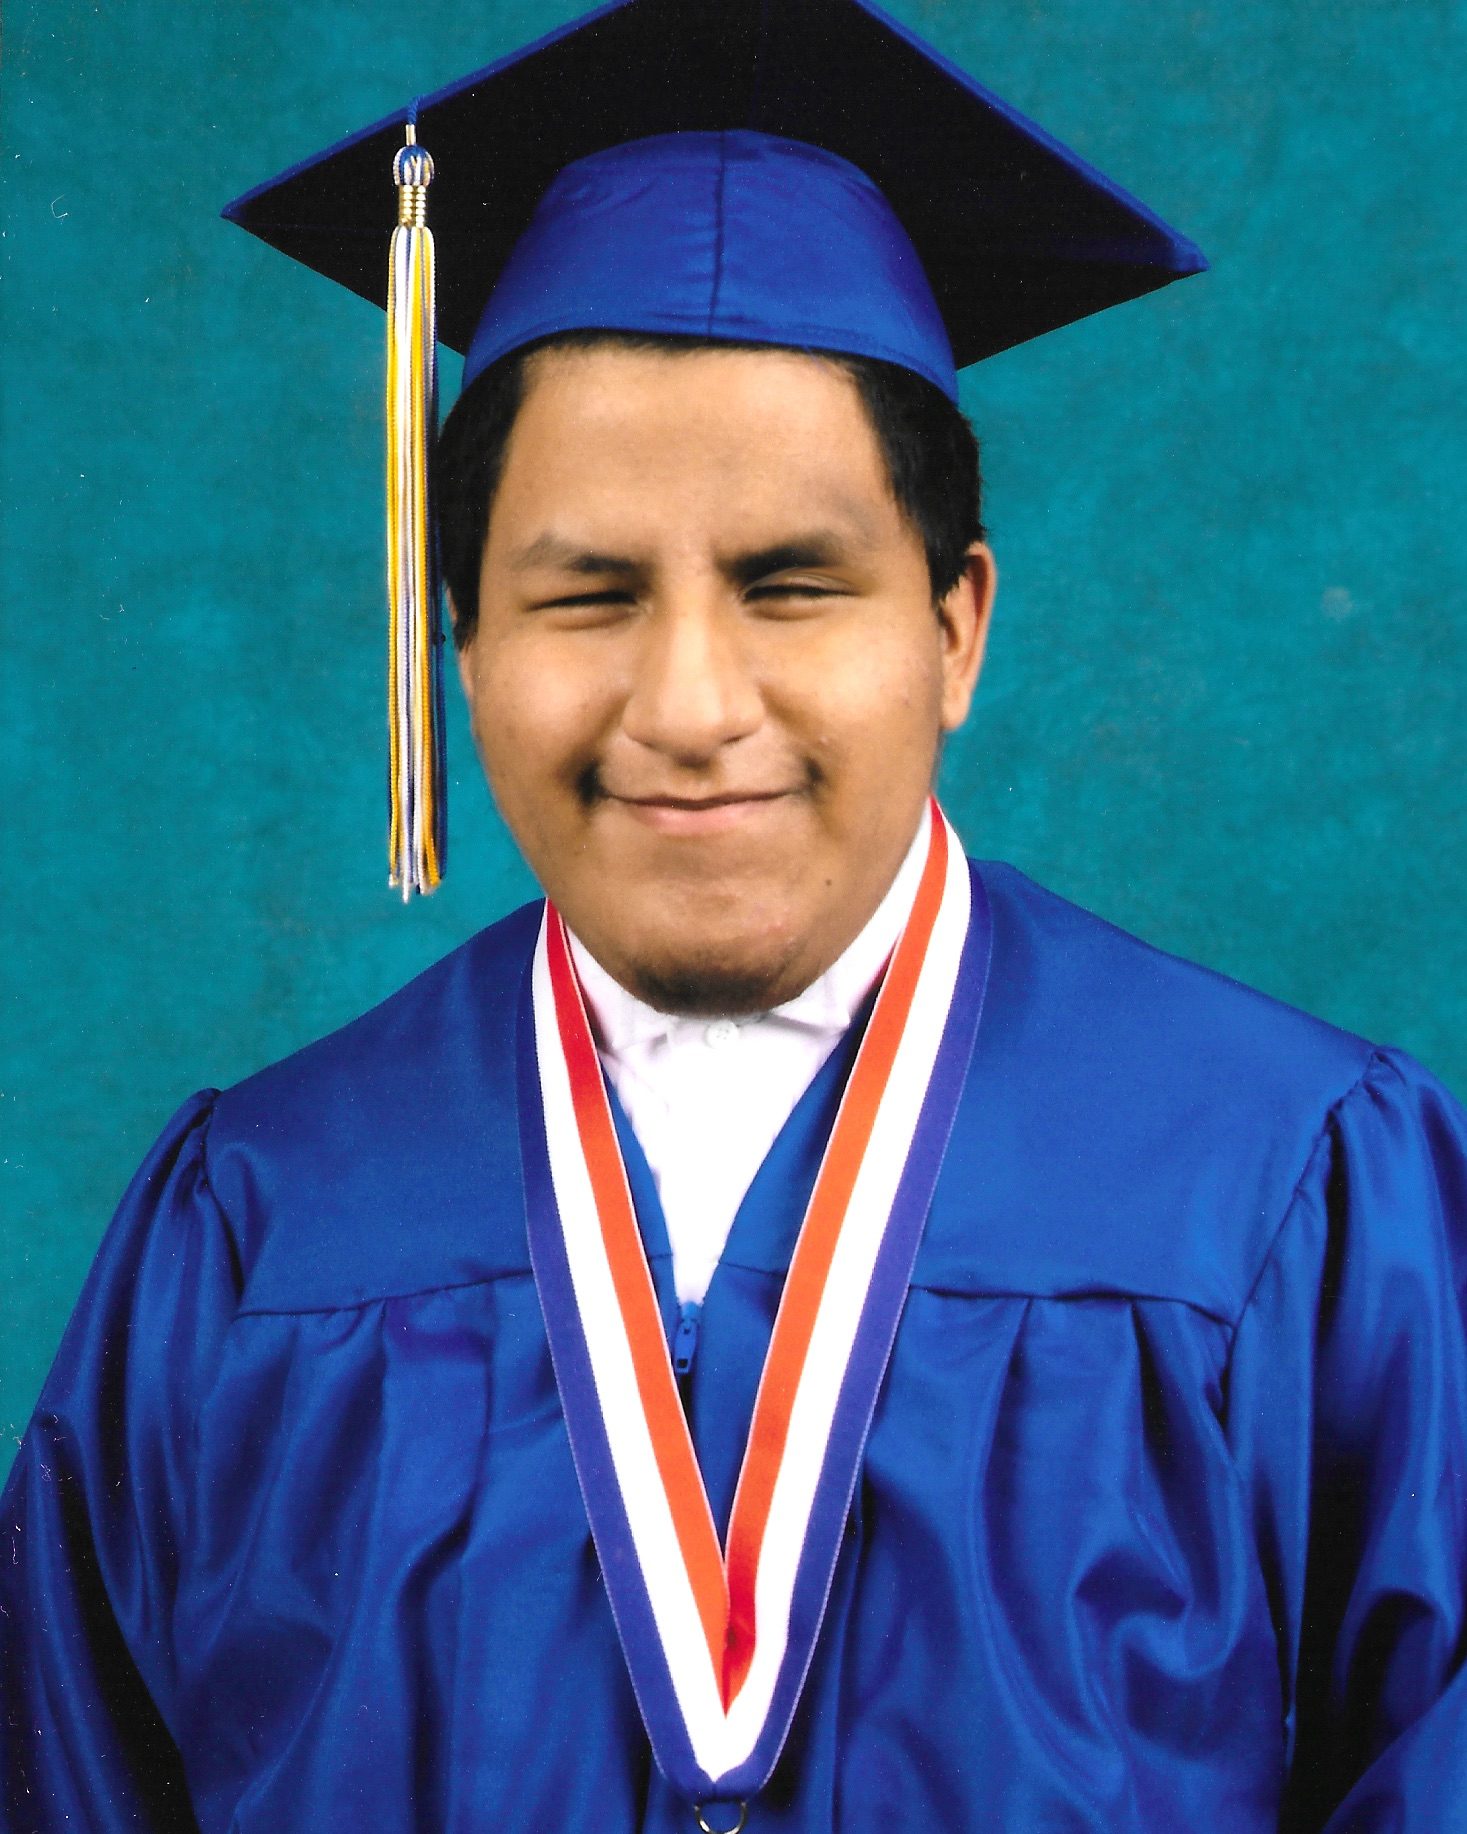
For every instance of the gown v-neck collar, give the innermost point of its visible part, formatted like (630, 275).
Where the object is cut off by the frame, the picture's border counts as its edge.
(736, 1319)
(767, 1222)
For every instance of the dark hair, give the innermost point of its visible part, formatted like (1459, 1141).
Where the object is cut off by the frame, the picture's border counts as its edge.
(930, 452)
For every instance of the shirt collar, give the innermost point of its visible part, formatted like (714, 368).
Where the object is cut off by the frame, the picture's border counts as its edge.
(622, 1022)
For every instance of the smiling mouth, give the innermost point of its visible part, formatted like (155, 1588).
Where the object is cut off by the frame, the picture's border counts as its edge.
(693, 815)
(695, 803)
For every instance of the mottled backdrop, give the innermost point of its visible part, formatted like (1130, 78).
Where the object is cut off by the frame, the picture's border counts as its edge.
(1225, 699)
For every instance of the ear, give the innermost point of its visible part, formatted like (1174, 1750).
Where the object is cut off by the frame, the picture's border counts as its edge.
(964, 615)
(462, 651)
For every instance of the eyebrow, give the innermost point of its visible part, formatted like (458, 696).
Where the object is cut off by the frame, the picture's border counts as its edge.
(551, 550)
(817, 548)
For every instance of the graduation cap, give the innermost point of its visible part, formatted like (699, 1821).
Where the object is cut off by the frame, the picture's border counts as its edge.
(803, 173)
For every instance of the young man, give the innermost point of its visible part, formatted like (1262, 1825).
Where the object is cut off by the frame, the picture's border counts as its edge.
(799, 1330)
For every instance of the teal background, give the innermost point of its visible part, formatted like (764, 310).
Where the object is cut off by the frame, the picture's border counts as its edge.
(1224, 704)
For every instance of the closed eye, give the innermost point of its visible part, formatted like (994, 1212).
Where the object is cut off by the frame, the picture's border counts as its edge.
(798, 590)
(610, 595)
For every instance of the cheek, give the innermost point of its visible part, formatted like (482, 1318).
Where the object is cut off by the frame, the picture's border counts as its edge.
(872, 703)
(536, 721)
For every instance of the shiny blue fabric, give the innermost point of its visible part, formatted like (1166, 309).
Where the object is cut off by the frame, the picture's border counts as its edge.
(736, 236)
(1162, 1522)
(1018, 235)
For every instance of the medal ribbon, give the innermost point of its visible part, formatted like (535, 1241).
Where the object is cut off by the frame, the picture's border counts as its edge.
(718, 1641)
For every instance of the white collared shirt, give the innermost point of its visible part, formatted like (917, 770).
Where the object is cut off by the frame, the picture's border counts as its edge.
(706, 1097)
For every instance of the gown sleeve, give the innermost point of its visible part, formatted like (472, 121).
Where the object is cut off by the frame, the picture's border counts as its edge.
(1348, 1414)
(94, 1512)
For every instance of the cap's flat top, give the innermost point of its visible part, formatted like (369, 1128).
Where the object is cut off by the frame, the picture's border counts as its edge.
(1017, 234)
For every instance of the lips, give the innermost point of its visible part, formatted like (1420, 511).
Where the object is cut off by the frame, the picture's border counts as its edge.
(697, 815)
(694, 803)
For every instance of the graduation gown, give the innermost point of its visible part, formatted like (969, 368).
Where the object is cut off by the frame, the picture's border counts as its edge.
(1162, 1521)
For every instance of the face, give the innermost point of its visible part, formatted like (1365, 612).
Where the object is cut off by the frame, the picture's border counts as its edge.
(708, 682)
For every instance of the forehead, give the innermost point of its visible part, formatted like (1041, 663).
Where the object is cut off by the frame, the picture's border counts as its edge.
(652, 434)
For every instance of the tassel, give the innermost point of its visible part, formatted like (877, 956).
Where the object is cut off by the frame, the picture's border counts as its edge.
(417, 778)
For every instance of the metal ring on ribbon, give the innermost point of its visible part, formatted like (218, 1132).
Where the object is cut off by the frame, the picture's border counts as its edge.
(708, 1827)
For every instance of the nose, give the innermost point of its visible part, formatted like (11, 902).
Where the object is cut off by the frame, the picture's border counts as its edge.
(693, 691)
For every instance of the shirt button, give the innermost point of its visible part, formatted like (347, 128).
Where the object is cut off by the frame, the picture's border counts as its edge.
(720, 1034)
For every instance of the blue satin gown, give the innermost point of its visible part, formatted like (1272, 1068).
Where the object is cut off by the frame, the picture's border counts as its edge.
(1162, 1523)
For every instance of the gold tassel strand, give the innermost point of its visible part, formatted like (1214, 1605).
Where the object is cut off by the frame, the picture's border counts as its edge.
(416, 774)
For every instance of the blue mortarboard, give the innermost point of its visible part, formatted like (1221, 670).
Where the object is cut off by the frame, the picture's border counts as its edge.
(796, 172)
(734, 235)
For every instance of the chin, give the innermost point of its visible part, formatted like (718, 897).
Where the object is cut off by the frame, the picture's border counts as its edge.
(702, 990)
(706, 981)
(702, 950)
